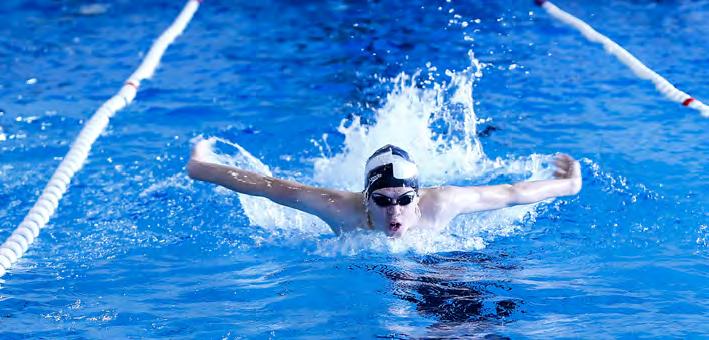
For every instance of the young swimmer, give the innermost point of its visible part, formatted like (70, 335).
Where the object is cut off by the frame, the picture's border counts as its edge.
(392, 201)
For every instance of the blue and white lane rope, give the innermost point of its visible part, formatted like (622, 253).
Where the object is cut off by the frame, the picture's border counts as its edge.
(17, 244)
(642, 71)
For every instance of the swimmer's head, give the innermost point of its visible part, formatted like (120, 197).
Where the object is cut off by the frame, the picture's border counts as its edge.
(391, 190)
(390, 167)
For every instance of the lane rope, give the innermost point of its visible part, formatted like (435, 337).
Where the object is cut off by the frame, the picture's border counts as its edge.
(24, 235)
(640, 70)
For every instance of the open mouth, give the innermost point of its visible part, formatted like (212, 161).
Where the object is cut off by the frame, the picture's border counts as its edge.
(394, 227)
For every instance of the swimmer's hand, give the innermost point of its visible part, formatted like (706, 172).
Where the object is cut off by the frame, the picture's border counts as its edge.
(567, 168)
(199, 157)
(200, 151)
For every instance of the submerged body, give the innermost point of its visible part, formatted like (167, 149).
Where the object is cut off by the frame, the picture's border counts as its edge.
(389, 204)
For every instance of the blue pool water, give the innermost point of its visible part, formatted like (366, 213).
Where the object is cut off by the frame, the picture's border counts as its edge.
(309, 89)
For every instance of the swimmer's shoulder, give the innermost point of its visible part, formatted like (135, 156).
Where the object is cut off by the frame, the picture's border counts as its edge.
(431, 198)
(447, 194)
(348, 200)
(346, 211)
(436, 207)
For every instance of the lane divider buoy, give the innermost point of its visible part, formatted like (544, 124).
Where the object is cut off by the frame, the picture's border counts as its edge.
(27, 232)
(661, 84)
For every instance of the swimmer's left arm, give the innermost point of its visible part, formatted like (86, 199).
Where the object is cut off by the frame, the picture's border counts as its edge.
(462, 200)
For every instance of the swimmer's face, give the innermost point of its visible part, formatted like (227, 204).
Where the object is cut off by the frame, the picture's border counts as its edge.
(394, 219)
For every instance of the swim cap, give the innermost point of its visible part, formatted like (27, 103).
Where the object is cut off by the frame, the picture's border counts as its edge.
(390, 167)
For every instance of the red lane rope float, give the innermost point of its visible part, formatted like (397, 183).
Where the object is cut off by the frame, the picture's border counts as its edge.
(24, 235)
(661, 84)
(687, 101)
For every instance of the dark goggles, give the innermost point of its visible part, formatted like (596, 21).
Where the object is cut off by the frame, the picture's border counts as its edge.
(385, 201)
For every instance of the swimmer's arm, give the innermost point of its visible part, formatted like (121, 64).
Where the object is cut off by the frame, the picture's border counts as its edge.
(462, 200)
(329, 205)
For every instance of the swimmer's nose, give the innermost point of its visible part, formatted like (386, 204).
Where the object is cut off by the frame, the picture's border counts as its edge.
(394, 209)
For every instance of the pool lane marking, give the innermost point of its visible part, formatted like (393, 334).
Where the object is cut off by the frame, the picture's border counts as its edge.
(24, 235)
(642, 71)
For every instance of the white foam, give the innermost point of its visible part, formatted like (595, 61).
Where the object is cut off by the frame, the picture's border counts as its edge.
(261, 211)
(178, 180)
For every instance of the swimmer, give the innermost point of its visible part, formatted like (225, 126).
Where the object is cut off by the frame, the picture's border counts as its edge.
(392, 201)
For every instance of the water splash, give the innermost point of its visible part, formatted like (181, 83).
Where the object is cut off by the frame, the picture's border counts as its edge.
(261, 211)
(435, 122)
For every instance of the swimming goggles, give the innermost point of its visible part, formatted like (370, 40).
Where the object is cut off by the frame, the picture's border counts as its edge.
(385, 201)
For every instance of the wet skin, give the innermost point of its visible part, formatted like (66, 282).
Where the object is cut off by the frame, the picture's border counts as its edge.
(394, 220)
(345, 211)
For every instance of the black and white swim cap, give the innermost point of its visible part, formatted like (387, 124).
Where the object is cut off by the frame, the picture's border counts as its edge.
(390, 167)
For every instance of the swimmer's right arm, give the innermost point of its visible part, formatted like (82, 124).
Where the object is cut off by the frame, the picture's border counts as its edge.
(329, 205)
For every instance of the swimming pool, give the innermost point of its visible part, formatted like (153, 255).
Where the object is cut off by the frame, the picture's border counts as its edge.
(138, 250)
